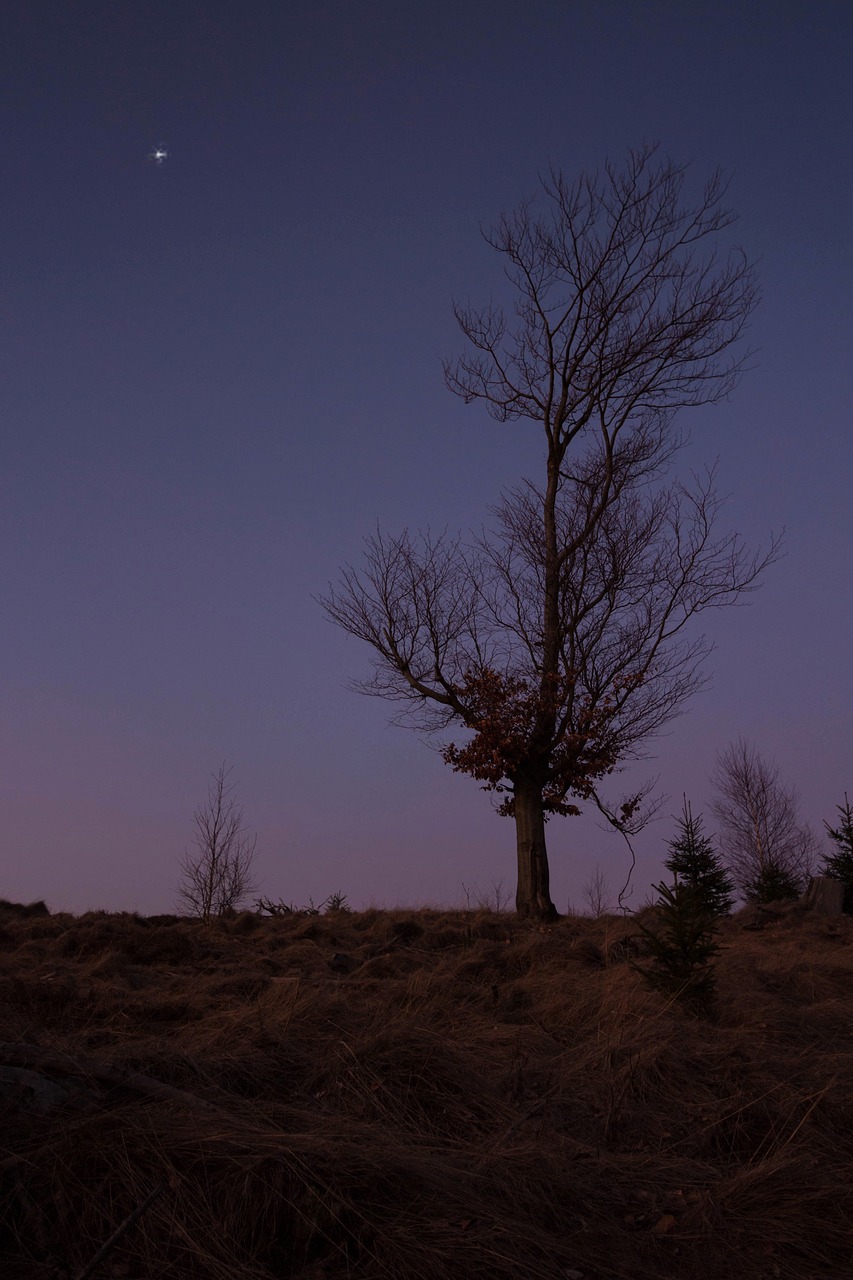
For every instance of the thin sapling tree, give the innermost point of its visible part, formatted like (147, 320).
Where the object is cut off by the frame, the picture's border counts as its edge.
(769, 852)
(217, 873)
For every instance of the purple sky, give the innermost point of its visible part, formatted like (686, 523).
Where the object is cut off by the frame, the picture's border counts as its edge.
(219, 373)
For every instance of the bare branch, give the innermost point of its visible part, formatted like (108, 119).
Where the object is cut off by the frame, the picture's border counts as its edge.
(418, 605)
(626, 311)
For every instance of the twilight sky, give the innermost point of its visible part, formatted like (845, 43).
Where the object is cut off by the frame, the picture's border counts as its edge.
(219, 373)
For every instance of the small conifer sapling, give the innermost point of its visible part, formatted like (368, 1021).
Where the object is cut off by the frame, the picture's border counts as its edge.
(839, 863)
(681, 948)
(695, 863)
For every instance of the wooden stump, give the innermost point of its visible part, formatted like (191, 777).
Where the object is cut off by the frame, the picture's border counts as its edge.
(825, 895)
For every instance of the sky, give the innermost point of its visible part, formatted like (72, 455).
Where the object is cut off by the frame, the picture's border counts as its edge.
(219, 373)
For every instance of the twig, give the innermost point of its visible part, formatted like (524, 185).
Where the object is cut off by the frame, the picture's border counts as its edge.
(620, 827)
(119, 1232)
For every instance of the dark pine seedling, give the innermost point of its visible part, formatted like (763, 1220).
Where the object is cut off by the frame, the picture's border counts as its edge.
(694, 862)
(681, 947)
(840, 863)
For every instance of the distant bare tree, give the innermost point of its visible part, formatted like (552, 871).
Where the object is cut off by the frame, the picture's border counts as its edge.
(767, 850)
(217, 873)
(495, 899)
(558, 641)
(596, 893)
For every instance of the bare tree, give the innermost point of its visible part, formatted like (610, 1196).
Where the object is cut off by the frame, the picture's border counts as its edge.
(556, 639)
(768, 851)
(217, 873)
(596, 893)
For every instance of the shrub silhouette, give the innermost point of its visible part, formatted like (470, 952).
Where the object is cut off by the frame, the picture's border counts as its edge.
(840, 863)
(773, 883)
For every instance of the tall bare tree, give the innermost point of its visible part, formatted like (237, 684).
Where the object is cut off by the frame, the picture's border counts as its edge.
(217, 873)
(556, 639)
(769, 852)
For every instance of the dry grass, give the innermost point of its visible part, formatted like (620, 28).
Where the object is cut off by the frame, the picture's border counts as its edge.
(421, 1094)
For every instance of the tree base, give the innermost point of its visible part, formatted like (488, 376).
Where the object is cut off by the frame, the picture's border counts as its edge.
(542, 915)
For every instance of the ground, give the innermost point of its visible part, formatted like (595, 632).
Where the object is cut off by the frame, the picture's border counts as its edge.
(421, 1094)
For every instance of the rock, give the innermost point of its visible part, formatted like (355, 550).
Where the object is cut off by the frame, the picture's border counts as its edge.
(825, 895)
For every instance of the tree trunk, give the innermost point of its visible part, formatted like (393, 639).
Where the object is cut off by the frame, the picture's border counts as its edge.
(533, 896)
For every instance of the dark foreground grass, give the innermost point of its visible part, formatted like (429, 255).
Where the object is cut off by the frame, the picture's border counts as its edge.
(423, 1096)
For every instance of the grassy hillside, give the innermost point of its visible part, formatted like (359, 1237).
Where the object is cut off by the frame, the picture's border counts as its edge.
(421, 1094)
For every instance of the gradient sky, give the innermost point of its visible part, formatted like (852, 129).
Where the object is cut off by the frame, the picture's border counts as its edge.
(218, 374)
